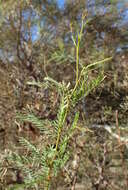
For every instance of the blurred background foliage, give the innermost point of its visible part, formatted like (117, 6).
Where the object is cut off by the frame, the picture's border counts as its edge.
(35, 41)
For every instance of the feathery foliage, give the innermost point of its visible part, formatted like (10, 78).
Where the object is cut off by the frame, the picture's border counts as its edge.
(41, 164)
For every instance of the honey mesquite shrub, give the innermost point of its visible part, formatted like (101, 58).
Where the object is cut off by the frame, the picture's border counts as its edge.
(41, 164)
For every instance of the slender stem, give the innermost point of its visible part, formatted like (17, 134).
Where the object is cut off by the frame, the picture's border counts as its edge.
(56, 148)
(77, 61)
(60, 129)
(77, 45)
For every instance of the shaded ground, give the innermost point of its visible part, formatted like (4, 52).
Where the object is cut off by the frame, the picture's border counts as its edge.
(99, 108)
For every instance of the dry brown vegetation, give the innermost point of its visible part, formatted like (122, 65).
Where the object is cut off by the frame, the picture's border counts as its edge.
(99, 160)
